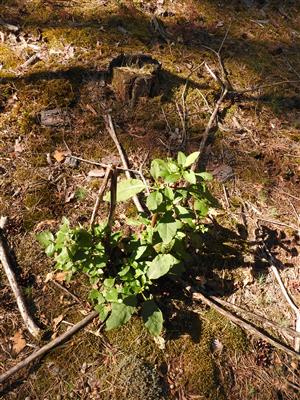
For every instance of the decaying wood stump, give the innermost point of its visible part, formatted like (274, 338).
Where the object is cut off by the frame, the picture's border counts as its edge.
(134, 76)
(56, 117)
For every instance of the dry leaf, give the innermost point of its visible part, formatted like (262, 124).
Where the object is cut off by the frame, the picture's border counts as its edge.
(247, 277)
(18, 342)
(49, 277)
(61, 276)
(57, 321)
(160, 342)
(18, 148)
(60, 155)
(217, 346)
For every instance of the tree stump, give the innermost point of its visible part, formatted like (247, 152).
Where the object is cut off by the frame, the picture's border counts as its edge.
(135, 76)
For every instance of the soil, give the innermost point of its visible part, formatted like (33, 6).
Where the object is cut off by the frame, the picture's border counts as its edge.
(252, 151)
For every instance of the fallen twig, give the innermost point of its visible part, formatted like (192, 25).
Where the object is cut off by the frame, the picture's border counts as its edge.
(99, 164)
(243, 324)
(225, 86)
(209, 126)
(5, 259)
(111, 131)
(290, 332)
(290, 301)
(258, 87)
(64, 289)
(49, 346)
(100, 195)
(113, 198)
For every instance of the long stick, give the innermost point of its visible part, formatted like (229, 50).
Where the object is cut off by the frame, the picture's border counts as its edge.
(290, 332)
(284, 291)
(7, 265)
(209, 126)
(100, 195)
(112, 132)
(49, 346)
(244, 324)
(113, 198)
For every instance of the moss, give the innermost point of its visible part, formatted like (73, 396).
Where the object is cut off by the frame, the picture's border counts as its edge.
(79, 37)
(200, 372)
(133, 338)
(57, 93)
(229, 334)
(9, 59)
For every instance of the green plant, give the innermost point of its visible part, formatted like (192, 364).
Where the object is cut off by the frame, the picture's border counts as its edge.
(124, 269)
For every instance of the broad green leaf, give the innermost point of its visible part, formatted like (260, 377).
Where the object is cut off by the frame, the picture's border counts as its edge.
(172, 178)
(96, 296)
(185, 215)
(45, 238)
(50, 250)
(63, 257)
(140, 251)
(102, 310)
(126, 189)
(172, 166)
(206, 176)
(124, 270)
(154, 200)
(191, 159)
(120, 314)
(181, 158)
(202, 207)
(169, 193)
(112, 295)
(152, 317)
(158, 169)
(167, 230)
(190, 177)
(161, 265)
(109, 282)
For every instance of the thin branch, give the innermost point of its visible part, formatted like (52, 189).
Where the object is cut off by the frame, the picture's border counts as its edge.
(113, 198)
(100, 195)
(64, 289)
(6, 261)
(134, 171)
(209, 126)
(244, 324)
(111, 131)
(290, 332)
(49, 346)
(284, 291)
(258, 87)
(224, 38)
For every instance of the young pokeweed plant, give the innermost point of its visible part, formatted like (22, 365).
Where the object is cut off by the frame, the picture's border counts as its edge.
(123, 269)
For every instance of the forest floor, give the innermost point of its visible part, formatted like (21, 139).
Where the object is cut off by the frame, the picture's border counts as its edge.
(253, 153)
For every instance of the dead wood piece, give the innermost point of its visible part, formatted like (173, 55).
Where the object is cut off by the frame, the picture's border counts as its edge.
(100, 195)
(111, 131)
(9, 27)
(131, 84)
(272, 262)
(244, 324)
(31, 60)
(134, 76)
(6, 261)
(113, 198)
(288, 331)
(49, 346)
(55, 117)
